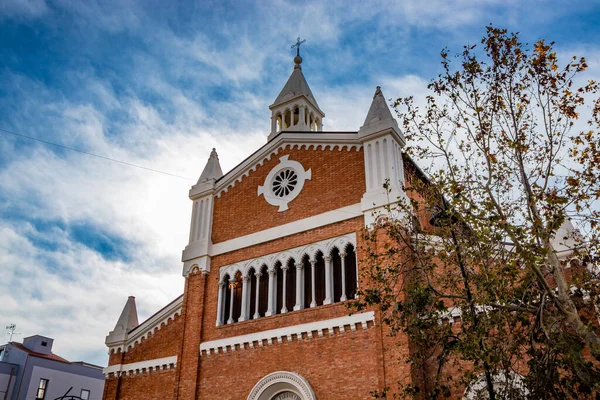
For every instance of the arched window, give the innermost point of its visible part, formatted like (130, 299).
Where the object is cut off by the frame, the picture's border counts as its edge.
(336, 261)
(263, 292)
(278, 295)
(251, 293)
(319, 279)
(237, 296)
(227, 300)
(307, 274)
(290, 285)
(351, 272)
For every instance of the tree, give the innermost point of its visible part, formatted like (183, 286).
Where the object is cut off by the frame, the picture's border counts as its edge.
(478, 270)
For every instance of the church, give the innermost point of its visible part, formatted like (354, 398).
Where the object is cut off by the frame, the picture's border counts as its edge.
(272, 261)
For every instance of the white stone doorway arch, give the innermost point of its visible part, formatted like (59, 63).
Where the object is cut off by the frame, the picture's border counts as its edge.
(282, 385)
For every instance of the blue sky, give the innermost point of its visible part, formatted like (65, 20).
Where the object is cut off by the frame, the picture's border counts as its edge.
(159, 84)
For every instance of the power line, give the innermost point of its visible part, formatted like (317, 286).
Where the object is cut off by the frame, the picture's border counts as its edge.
(94, 155)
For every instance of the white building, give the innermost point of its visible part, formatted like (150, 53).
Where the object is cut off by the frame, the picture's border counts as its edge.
(30, 371)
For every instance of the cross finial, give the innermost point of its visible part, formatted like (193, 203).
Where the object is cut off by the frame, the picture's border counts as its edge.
(297, 46)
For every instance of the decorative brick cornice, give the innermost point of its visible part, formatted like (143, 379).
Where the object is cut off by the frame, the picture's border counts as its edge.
(148, 327)
(288, 140)
(291, 333)
(142, 367)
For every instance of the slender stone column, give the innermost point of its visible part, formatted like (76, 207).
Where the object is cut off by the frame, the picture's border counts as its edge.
(274, 124)
(220, 311)
(302, 117)
(343, 257)
(270, 307)
(256, 313)
(313, 300)
(245, 280)
(232, 288)
(299, 285)
(284, 268)
(328, 295)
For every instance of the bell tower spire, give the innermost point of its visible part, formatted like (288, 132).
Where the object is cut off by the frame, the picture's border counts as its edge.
(296, 109)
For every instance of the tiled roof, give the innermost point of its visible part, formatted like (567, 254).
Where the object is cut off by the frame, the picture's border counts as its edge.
(50, 356)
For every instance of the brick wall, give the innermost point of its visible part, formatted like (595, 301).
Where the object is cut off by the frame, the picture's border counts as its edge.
(161, 343)
(189, 355)
(148, 386)
(239, 211)
(344, 366)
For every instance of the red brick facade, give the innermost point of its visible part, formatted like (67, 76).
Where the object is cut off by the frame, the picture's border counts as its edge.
(338, 180)
(347, 363)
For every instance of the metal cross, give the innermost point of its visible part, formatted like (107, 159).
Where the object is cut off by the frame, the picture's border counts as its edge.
(297, 45)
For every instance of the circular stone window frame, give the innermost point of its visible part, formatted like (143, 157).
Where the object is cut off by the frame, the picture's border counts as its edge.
(279, 382)
(267, 188)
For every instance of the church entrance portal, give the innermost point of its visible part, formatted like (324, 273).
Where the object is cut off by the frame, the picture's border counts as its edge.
(282, 385)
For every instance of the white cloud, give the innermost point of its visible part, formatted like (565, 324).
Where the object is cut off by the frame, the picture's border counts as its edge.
(23, 8)
(68, 290)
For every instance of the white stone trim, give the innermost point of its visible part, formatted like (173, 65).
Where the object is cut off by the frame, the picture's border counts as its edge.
(229, 344)
(291, 228)
(284, 140)
(279, 380)
(383, 166)
(141, 366)
(323, 246)
(147, 327)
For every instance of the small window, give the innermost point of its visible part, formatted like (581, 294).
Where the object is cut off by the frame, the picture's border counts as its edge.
(44, 344)
(41, 392)
(85, 394)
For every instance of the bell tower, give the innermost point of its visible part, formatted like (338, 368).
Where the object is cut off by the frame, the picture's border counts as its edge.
(295, 109)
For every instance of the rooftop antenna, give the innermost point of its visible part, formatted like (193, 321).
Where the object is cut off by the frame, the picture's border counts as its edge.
(11, 331)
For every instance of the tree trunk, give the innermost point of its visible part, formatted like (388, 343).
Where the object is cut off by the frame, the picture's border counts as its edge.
(566, 305)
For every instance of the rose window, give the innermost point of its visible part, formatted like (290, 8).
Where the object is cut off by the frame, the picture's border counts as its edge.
(285, 182)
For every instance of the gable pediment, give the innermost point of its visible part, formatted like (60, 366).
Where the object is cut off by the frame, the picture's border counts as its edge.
(284, 140)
